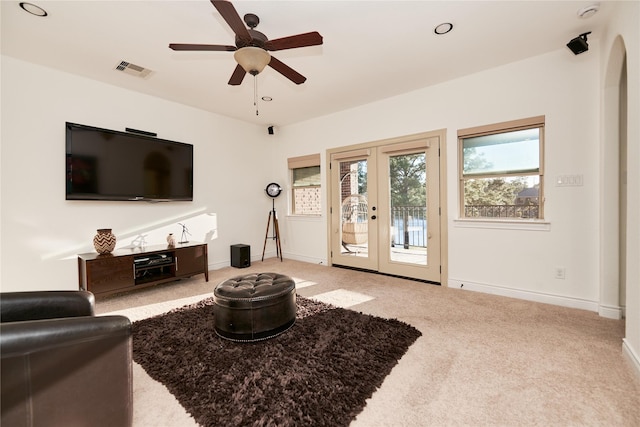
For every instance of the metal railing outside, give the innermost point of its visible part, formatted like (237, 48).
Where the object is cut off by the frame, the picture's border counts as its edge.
(501, 211)
(409, 223)
(409, 226)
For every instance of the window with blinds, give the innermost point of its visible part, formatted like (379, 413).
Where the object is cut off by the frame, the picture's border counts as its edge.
(305, 185)
(501, 170)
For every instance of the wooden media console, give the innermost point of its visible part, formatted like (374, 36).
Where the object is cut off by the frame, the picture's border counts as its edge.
(127, 269)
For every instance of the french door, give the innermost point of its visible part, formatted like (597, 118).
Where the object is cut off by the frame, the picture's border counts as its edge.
(385, 207)
(354, 209)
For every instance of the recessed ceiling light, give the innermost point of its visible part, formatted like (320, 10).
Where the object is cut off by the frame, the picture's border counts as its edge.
(33, 9)
(443, 28)
(589, 11)
(267, 98)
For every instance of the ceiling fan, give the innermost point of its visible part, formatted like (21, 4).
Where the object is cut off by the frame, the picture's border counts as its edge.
(251, 49)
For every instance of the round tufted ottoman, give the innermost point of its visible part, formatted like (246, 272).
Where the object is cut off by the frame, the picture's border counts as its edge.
(254, 306)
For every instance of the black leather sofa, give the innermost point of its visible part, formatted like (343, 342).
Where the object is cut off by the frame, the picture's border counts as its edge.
(60, 364)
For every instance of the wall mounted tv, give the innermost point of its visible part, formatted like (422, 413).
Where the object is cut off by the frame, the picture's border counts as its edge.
(105, 164)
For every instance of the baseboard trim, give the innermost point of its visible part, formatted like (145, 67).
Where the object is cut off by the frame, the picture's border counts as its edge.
(269, 254)
(631, 356)
(227, 263)
(312, 260)
(610, 312)
(525, 295)
(220, 264)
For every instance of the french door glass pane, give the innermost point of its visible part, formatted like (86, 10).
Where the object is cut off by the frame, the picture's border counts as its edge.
(408, 208)
(354, 217)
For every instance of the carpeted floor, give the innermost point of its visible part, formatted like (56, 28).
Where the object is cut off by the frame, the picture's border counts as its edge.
(320, 372)
(482, 360)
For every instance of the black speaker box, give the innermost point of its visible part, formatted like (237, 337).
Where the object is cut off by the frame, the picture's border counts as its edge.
(240, 256)
(578, 46)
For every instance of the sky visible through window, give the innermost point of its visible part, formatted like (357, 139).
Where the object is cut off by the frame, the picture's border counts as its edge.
(509, 152)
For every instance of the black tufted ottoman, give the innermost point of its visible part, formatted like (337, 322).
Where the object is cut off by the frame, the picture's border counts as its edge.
(254, 306)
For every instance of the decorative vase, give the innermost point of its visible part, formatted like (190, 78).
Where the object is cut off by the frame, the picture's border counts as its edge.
(171, 240)
(104, 241)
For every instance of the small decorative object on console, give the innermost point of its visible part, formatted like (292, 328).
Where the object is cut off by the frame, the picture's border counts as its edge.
(171, 240)
(185, 231)
(104, 241)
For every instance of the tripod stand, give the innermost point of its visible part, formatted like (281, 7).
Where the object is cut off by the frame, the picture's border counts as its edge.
(276, 232)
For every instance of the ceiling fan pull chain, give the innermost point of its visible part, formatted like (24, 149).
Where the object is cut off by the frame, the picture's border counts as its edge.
(255, 92)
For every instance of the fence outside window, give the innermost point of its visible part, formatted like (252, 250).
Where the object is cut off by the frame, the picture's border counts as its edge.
(409, 226)
(501, 211)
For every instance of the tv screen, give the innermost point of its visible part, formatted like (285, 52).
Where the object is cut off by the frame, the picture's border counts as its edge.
(104, 164)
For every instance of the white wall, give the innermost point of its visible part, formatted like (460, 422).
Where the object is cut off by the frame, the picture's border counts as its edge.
(559, 85)
(42, 232)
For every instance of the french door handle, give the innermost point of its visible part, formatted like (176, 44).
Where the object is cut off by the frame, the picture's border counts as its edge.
(373, 217)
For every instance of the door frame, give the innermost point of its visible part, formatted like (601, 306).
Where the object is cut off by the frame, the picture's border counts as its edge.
(444, 235)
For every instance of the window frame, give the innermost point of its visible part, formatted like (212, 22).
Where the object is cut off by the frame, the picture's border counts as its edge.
(311, 160)
(536, 122)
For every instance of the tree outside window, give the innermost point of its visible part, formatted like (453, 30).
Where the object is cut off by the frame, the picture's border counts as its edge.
(408, 194)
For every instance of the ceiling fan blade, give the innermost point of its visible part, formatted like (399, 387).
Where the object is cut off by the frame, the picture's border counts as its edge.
(230, 15)
(287, 71)
(237, 76)
(211, 47)
(300, 40)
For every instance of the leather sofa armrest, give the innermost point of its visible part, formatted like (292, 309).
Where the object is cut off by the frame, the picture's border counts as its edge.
(67, 372)
(20, 306)
(22, 338)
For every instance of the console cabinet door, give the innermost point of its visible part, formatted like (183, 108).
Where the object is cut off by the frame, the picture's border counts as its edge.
(191, 260)
(109, 274)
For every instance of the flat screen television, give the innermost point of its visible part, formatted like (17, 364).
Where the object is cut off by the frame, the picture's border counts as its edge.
(104, 164)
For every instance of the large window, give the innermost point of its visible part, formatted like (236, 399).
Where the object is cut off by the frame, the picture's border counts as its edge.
(305, 185)
(501, 170)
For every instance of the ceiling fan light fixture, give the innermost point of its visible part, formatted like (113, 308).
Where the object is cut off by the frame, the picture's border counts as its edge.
(252, 59)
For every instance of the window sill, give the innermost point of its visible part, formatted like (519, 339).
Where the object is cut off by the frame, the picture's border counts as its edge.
(504, 224)
(304, 217)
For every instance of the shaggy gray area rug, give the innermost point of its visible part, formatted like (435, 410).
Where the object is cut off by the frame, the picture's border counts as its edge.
(318, 373)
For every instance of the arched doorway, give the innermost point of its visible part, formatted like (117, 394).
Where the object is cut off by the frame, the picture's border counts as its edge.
(614, 186)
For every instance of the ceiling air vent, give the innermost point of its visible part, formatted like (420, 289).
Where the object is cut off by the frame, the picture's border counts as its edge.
(133, 69)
